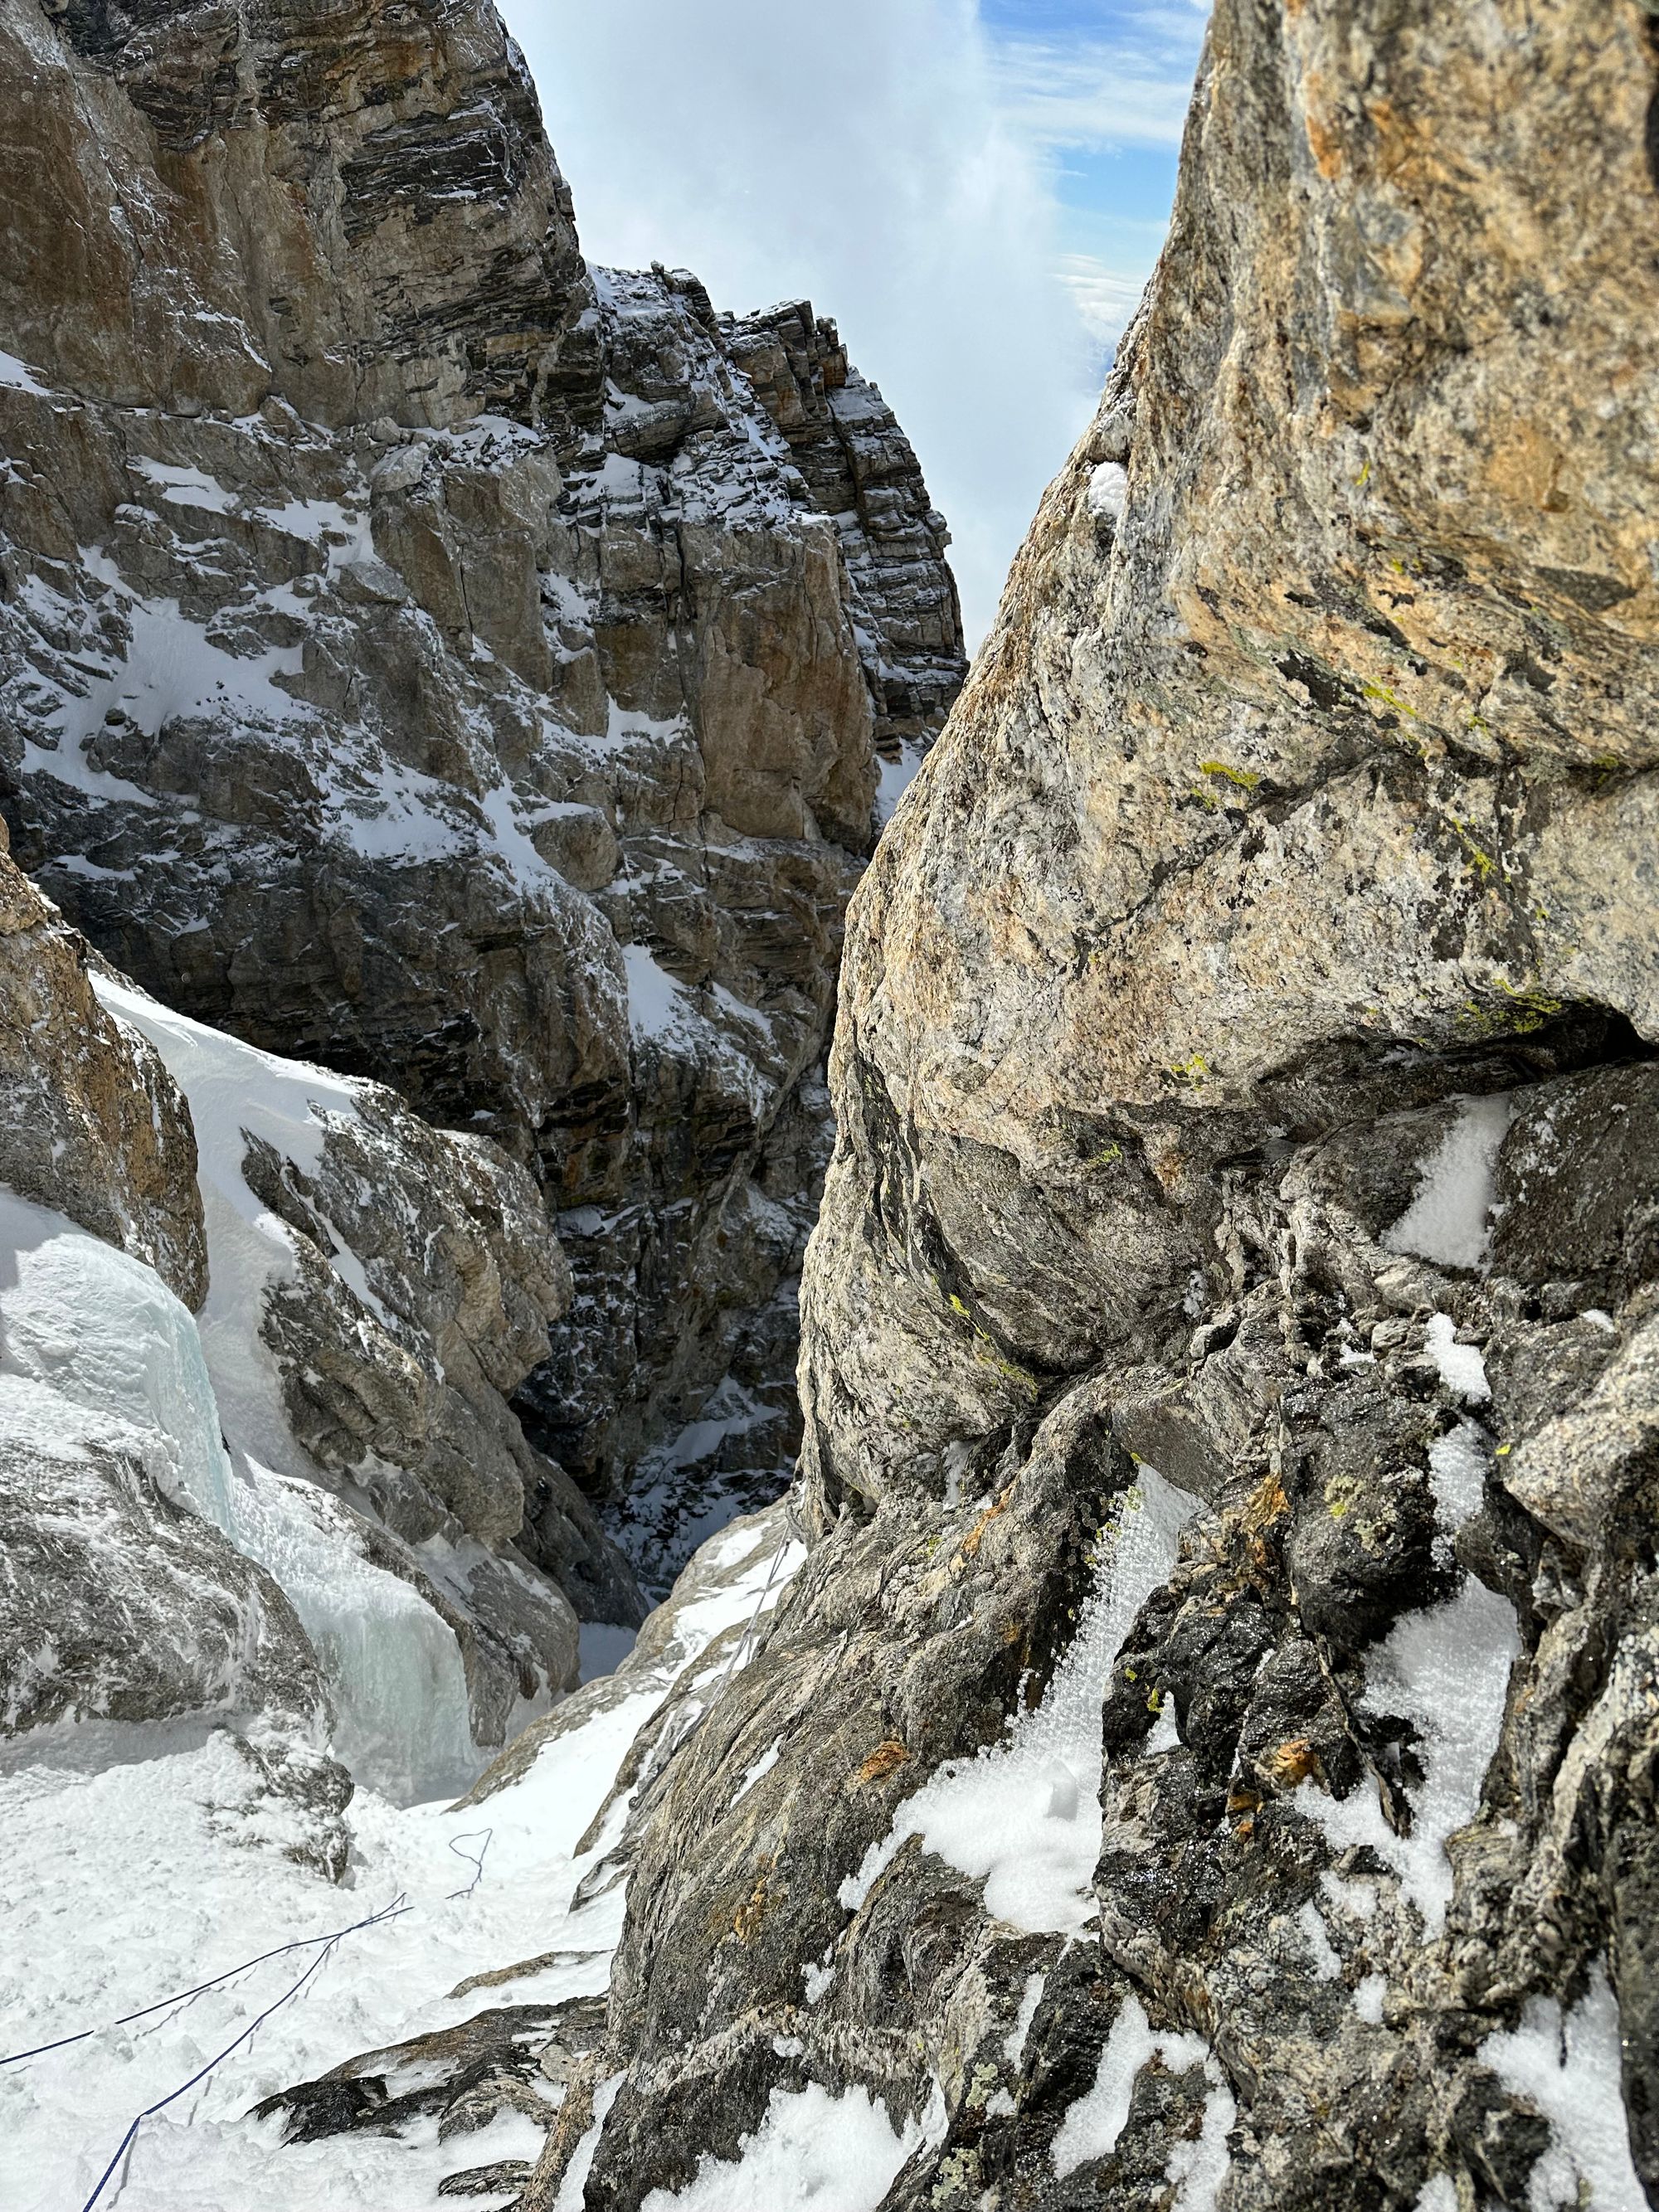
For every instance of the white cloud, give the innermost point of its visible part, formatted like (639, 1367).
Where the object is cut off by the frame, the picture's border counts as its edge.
(1104, 92)
(1104, 299)
(861, 155)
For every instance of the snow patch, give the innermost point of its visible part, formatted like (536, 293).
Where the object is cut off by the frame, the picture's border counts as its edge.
(1457, 1475)
(191, 487)
(1108, 491)
(657, 1004)
(17, 376)
(896, 778)
(1326, 1966)
(1025, 1816)
(764, 1765)
(1093, 2125)
(1448, 1220)
(1013, 2047)
(1570, 2068)
(572, 2190)
(840, 2153)
(1446, 1669)
(1462, 1370)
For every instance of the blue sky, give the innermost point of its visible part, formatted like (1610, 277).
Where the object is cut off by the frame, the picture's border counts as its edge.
(1100, 87)
(977, 190)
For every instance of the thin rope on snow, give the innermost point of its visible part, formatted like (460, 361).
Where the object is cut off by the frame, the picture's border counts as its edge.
(393, 1911)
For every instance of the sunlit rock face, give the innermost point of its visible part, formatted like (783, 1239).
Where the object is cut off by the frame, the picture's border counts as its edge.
(1244, 1053)
(430, 657)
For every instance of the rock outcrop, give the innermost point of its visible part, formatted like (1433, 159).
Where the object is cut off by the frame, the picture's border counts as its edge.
(429, 658)
(1228, 1359)
(259, 1329)
(124, 1596)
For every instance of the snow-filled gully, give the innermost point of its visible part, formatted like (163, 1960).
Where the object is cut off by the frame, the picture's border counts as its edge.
(1023, 1817)
(200, 1888)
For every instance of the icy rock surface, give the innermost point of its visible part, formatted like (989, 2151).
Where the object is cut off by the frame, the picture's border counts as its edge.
(1245, 1069)
(376, 1290)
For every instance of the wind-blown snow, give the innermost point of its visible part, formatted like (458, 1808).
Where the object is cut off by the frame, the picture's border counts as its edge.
(834, 2153)
(1571, 2070)
(1448, 1221)
(1025, 1816)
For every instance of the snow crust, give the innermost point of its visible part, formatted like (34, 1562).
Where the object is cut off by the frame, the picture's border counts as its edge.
(1025, 1816)
(1571, 2070)
(1448, 1219)
(812, 2148)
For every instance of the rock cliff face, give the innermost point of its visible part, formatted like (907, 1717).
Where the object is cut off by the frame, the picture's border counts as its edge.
(431, 659)
(1228, 1347)
(259, 1326)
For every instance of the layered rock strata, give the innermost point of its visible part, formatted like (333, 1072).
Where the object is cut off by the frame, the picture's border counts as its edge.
(429, 658)
(1227, 1369)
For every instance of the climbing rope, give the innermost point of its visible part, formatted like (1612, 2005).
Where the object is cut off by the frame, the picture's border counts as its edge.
(328, 1945)
(325, 1945)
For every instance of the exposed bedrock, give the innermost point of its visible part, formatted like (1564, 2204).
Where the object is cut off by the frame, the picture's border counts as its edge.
(1246, 1104)
(430, 658)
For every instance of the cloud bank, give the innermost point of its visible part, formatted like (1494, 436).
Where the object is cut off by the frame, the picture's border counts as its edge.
(862, 156)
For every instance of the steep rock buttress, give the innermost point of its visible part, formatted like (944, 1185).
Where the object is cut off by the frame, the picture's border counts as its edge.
(1208, 1756)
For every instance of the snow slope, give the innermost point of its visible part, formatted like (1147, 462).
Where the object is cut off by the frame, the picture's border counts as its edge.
(198, 1891)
